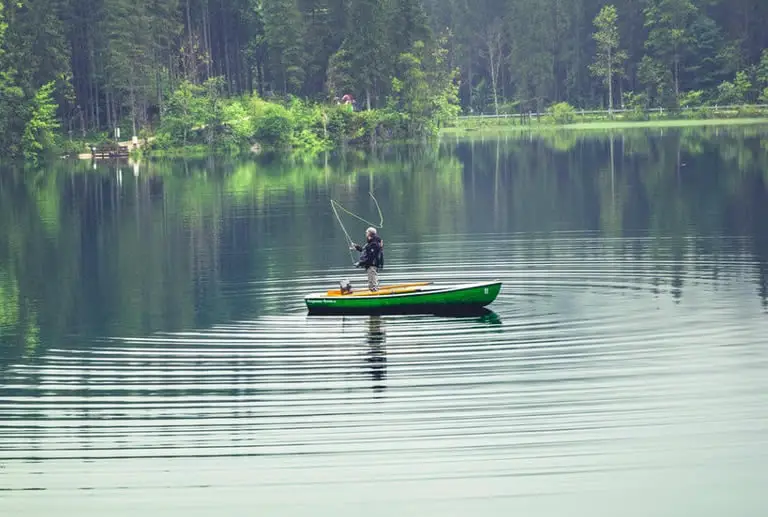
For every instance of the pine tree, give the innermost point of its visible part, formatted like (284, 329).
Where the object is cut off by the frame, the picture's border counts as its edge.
(130, 58)
(11, 97)
(366, 48)
(40, 133)
(532, 55)
(284, 32)
(608, 58)
(669, 23)
(409, 24)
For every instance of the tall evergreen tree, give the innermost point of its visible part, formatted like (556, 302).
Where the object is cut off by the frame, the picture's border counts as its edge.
(532, 55)
(409, 24)
(670, 36)
(129, 61)
(494, 53)
(11, 97)
(40, 132)
(366, 49)
(283, 34)
(609, 57)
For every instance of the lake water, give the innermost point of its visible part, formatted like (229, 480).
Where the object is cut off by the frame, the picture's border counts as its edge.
(156, 357)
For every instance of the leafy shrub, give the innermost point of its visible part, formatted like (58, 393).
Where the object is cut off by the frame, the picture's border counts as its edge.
(727, 94)
(636, 103)
(40, 134)
(562, 113)
(274, 126)
(163, 140)
(73, 147)
(750, 112)
(692, 99)
(238, 122)
(342, 123)
(309, 142)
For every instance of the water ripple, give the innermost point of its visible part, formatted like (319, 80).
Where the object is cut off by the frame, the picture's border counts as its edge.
(602, 358)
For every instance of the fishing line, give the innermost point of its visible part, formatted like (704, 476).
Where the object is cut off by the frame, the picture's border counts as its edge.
(335, 206)
(346, 233)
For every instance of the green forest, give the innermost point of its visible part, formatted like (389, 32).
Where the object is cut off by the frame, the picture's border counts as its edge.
(235, 72)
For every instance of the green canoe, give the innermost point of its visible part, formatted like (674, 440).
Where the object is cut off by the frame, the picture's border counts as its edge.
(406, 298)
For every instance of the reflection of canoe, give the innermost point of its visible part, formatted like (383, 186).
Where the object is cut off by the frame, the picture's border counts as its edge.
(410, 298)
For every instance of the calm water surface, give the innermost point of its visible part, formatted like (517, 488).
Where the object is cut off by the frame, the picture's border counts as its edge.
(156, 357)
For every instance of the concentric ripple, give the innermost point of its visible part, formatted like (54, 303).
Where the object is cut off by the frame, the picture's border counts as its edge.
(607, 368)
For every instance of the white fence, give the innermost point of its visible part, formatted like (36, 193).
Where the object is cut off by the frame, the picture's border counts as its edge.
(583, 112)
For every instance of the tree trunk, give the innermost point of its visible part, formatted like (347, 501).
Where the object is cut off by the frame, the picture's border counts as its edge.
(207, 41)
(469, 77)
(260, 79)
(502, 78)
(186, 118)
(116, 111)
(492, 63)
(108, 101)
(189, 27)
(225, 37)
(677, 77)
(210, 39)
(610, 84)
(171, 68)
(239, 73)
(96, 104)
(249, 79)
(493, 43)
(621, 93)
(133, 107)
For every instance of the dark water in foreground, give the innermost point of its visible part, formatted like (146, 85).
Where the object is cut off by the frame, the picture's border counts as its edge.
(156, 357)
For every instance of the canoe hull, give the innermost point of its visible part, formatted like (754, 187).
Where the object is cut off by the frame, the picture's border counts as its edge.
(470, 298)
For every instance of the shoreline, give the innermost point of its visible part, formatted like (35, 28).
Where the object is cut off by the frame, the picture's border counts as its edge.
(483, 130)
(600, 125)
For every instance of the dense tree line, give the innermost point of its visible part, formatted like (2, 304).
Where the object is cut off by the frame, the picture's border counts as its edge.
(107, 62)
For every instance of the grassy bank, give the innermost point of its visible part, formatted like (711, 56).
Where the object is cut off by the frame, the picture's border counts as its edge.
(467, 130)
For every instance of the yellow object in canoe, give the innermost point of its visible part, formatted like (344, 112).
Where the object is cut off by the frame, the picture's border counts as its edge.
(384, 289)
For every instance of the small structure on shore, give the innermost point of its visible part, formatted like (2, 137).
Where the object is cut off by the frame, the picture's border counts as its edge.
(109, 151)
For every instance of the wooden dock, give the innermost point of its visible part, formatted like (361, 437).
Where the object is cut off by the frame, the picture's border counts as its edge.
(110, 151)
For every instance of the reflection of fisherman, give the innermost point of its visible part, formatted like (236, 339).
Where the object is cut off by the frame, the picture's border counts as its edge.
(377, 355)
(371, 257)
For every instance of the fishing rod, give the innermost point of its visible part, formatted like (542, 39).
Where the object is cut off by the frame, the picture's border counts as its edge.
(336, 206)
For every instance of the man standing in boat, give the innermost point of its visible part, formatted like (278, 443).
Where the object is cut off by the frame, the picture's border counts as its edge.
(371, 257)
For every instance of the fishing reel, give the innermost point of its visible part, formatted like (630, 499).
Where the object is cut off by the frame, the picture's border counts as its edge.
(345, 286)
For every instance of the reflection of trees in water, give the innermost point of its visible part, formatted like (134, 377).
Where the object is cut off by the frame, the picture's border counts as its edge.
(131, 249)
(377, 353)
(124, 251)
(667, 183)
(760, 242)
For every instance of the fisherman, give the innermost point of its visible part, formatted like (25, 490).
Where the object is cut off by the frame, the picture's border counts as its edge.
(371, 257)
